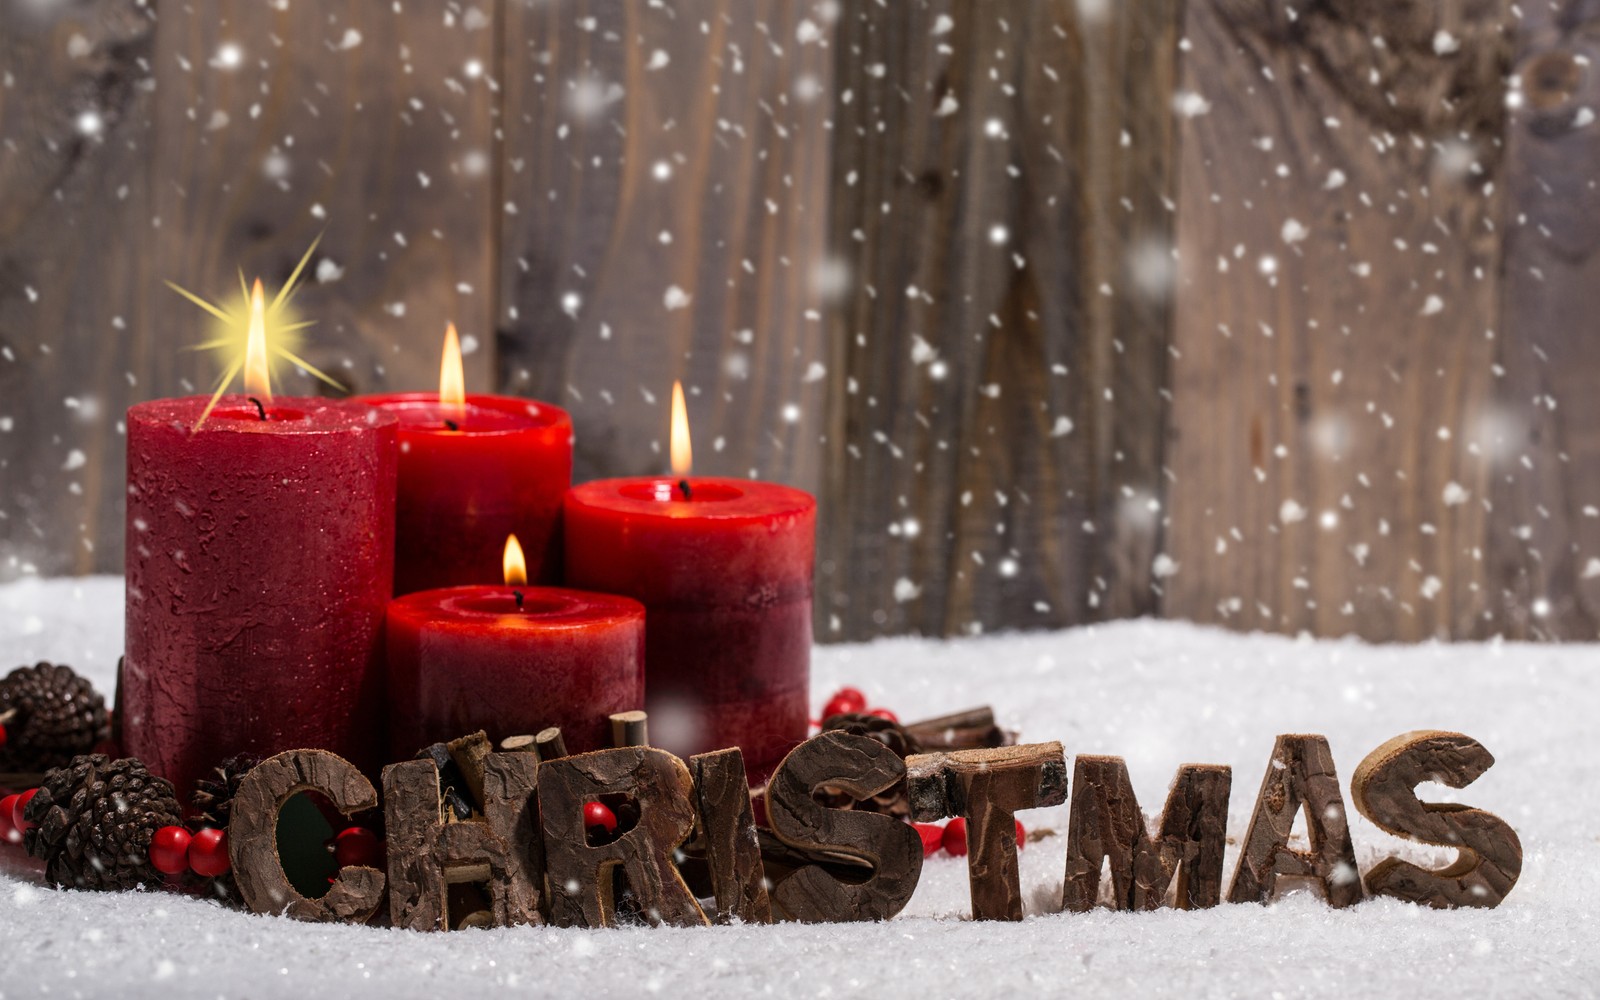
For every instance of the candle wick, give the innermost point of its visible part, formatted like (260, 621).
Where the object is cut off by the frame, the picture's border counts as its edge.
(262, 410)
(518, 595)
(683, 487)
(452, 425)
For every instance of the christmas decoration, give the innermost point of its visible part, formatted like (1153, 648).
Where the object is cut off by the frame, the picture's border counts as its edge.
(169, 850)
(93, 822)
(208, 853)
(50, 715)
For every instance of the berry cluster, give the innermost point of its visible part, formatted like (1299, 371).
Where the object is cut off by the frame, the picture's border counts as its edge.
(174, 850)
(12, 824)
(952, 837)
(851, 701)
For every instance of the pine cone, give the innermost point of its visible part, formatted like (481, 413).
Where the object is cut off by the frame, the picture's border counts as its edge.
(213, 796)
(886, 731)
(213, 804)
(59, 715)
(93, 821)
(894, 800)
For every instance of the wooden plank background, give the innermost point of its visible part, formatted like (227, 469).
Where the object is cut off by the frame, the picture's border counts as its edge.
(1068, 310)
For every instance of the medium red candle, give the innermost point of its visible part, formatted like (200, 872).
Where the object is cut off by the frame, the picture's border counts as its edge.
(260, 549)
(724, 569)
(474, 469)
(512, 660)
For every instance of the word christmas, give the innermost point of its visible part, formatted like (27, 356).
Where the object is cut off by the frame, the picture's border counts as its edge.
(527, 844)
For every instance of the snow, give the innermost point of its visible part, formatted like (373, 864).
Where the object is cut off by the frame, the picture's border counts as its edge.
(1157, 693)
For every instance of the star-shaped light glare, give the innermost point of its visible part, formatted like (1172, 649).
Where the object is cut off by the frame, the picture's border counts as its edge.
(250, 334)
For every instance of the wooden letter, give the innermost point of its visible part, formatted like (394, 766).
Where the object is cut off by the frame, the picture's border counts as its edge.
(253, 837)
(1106, 822)
(1301, 774)
(580, 873)
(987, 787)
(430, 850)
(861, 767)
(1384, 789)
(733, 854)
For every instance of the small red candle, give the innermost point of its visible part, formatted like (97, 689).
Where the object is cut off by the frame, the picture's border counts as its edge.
(512, 660)
(260, 547)
(723, 567)
(474, 469)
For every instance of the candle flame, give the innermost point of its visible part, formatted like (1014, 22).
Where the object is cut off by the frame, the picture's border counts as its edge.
(452, 380)
(516, 567)
(682, 453)
(251, 333)
(257, 373)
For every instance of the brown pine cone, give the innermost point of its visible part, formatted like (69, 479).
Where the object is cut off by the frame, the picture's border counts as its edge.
(213, 806)
(893, 801)
(93, 820)
(59, 715)
(886, 731)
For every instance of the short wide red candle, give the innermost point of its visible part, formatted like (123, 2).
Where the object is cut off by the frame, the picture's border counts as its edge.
(725, 576)
(259, 562)
(463, 659)
(501, 471)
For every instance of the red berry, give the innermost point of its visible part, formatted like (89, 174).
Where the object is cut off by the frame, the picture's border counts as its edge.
(955, 837)
(845, 700)
(932, 835)
(884, 713)
(598, 814)
(18, 806)
(8, 833)
(169, 850)
(1022, 836)
(208, 853)
(356, 847)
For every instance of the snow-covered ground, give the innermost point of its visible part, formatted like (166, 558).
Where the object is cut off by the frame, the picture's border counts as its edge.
(1157, 693)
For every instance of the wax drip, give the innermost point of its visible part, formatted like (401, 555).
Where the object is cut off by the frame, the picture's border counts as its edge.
(262, 410)
(683, 487)
(518, 595)
(452, 425)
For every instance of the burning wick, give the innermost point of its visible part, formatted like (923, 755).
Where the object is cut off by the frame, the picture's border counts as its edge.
(518, 595)
(451, 424)
(260, 410)
(683, 487)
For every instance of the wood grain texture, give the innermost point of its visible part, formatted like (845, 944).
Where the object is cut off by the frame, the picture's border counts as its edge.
(77, 137)
(147, 153)
(1545, 483)
(1300, 780)
(1488, 851)
(663, 217)
(357, 891)
(1335, 327)
(980, 455)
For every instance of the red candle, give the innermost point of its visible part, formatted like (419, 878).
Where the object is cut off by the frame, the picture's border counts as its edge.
(474, 469)
(512, 660)
(724, 569)
(260, 552)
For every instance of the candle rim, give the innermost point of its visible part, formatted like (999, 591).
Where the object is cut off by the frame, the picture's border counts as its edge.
(760, 499)
(444, 607)
(316, 415)
(533, 414)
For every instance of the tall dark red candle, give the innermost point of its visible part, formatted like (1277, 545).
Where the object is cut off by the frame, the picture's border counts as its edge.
(259, 563)
(501, 470)
(468, 658)
(725, 577)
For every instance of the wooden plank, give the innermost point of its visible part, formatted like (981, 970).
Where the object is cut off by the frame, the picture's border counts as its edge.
(665, 192)
(75, 135)
(1335, 316)
(1544, 446)
(275, 122)
(994, 426)
(370, 123)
